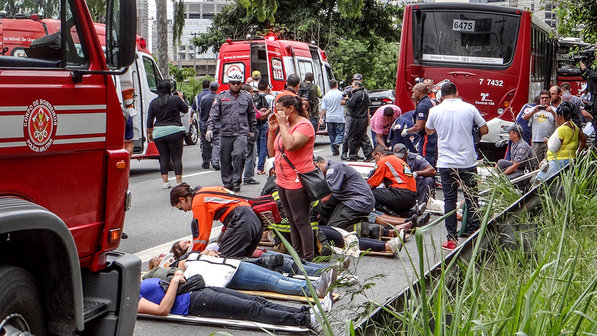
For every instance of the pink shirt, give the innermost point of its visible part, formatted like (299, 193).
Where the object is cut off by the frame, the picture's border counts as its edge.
(302, 158)
(379, 123)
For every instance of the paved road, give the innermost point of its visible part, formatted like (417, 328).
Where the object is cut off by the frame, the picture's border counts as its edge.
(153, 225)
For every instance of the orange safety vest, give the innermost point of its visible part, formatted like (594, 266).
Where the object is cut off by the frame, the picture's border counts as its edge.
(393, 172)
(210, 204)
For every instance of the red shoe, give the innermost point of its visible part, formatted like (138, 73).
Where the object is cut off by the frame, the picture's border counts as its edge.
(450, 245)
(261, 172)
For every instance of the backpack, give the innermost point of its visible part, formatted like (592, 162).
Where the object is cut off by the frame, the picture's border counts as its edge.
(259, 101)
(306, 92)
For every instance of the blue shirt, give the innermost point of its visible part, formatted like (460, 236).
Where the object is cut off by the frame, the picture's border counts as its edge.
(196, 104)
(334, 112)
(395, 136)
(153, 292)
(349, 187)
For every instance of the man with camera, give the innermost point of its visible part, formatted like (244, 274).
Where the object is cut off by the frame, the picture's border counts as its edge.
(542, 119)
(590, 75)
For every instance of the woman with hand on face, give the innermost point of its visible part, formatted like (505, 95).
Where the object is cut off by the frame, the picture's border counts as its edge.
(291, 133)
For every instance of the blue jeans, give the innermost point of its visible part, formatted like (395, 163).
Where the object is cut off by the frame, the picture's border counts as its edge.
(553, 167)
(315, 122)
(313, 269)
(254, 277)
(451, 179)
(374, 139)
(262, 146)
(336, 133)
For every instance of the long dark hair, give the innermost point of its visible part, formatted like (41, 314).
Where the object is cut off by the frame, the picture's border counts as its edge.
(296, 101)
(164, 91)
(181, 190)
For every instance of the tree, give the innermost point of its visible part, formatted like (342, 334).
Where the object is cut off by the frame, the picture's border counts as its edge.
(326, 22)
(97, 9)
(578, 17)
(162, 40)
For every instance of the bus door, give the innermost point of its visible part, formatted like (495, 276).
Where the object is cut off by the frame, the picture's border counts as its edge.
(258, 60)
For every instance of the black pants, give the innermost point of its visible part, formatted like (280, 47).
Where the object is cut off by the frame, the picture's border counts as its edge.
(364, 243)
(242, 235)
(467, 179)
(232, 159)
(335, 213)
(227, 303)
(425, 185)
(395, 199)
(205, 145)
(358, 138)
(297, 206)
(170, 148)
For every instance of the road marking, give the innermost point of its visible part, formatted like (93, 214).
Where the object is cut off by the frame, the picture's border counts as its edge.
(151, 252)
(195, 174)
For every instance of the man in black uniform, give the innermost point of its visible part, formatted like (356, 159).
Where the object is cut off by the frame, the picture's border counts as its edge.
(233, 110)
(205, 104)
(358, 108)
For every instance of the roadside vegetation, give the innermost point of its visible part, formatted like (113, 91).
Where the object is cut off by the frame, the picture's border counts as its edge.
(540, 281)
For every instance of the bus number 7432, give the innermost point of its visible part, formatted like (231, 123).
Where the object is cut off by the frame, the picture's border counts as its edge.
(491, 82)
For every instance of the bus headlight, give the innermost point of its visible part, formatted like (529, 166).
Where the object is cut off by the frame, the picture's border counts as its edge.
(500, 111)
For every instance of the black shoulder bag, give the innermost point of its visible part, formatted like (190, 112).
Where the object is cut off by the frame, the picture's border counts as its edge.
(313, 182)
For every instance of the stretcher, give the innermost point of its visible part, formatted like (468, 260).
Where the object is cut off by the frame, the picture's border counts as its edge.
(284, 297)
(379, 254)
(229, 323)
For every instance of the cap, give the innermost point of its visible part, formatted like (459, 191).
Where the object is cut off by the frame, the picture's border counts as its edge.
(400, 149)
(256, 73)
(357, 76)
(515, 128)
(214, 85)
(269, 165)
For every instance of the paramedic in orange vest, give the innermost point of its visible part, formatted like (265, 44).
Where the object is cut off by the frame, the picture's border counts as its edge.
(241, 231)
(400, 192)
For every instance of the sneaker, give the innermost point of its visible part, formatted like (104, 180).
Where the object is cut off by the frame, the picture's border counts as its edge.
(321, 284)
(166, 185)
(369, 159)
(396, 243)
(260, 172)
(250, 181)
(124, 236)
(216, 167)
(205, 165)
(236, 188)
(450, 245)
(328, 302)
(344, 157)
(313, 324)
(323, 244)
(335, 150)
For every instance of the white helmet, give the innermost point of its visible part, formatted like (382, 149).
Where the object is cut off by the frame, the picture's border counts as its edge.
(235, 76)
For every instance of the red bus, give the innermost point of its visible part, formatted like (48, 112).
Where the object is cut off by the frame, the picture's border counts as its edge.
(568, 70)
(498, 57)
(274, 59)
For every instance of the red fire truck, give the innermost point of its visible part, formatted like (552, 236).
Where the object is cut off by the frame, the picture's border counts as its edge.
(64, 177)
(274, 59)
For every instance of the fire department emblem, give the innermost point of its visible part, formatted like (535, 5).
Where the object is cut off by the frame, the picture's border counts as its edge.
(40, 125)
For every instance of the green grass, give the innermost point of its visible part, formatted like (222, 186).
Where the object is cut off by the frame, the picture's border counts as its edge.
(548, 288)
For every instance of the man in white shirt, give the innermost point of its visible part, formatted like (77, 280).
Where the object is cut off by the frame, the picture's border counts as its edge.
(332, 113)
(453, 120)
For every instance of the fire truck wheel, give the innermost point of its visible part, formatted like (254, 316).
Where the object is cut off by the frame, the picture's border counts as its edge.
(20, 307)
(193, 137)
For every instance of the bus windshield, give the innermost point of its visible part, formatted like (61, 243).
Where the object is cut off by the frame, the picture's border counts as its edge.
(465, 37)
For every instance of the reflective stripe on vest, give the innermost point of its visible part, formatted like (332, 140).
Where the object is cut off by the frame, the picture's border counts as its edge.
(394, 172)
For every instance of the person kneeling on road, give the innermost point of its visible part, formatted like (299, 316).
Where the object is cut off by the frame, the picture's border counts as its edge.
(198, 300)
(241, 226)
(521, 155)
(351, 198)
(400, 192)
(421, 169)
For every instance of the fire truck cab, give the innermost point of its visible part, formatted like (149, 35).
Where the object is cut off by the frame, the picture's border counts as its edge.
(64, 174)
(275, 60)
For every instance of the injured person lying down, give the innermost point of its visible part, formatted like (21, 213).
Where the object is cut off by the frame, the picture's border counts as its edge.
(240, 275)
(183, 296)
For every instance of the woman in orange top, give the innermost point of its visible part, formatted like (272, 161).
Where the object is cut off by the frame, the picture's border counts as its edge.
(241, 231)
(295, 137)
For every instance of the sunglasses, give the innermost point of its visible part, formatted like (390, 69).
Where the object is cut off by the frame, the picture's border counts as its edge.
(234, 83)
